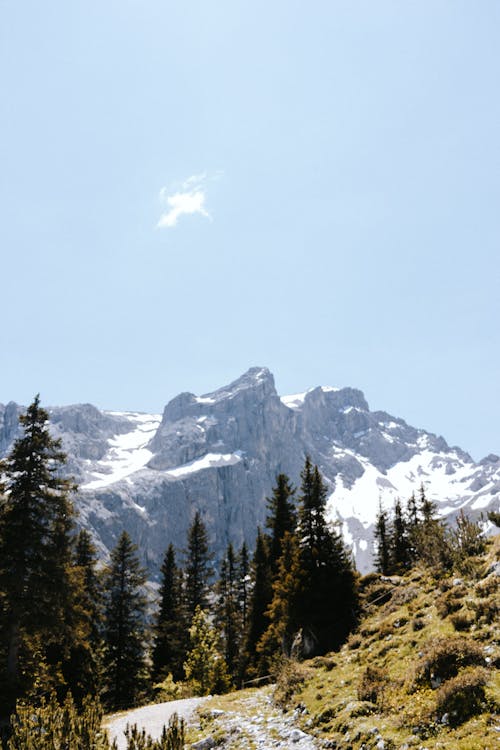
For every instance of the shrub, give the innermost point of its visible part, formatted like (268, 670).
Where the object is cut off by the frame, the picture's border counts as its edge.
(450, 601)
(461, 621)
(462, 696)
(290, 676)
(372, 685)
(172, 738)
(486, 609)
(445, 657)
(51, 726)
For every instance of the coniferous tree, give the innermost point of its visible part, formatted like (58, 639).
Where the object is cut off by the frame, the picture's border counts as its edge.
(227, 613)
(329, 599)
(281, 518)
(170, 627)
(285, 617)
(205, 668)
(87, 660)
(243, 585)
(400, 553)
(198, 570)
(382, 540)
(124, 625)
(40, 618)
(260, 599)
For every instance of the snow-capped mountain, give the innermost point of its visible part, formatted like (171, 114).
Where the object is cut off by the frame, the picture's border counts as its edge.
(219, 453)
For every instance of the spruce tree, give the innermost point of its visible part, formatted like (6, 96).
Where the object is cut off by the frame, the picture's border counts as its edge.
(87, 660)
(281, 517)
(243, 585)
(260, 599)
(124, 626)
(40, 620)
(170, 627)
(329, 598)
(198, 569)
(204, 667)
(227, 615)
(382, 541)
(285, 617)
(399, 542)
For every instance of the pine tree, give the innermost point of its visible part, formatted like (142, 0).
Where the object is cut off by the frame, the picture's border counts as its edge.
(329, 599)
(227, 616)
(170, 627)
(400, 552)
(281, 518)
(285, 617)
(243, 583)
(204, 667)
(382, 540)
(87, 660)
(260, 599)
(40, 620)
(198, 568)
(124, 625)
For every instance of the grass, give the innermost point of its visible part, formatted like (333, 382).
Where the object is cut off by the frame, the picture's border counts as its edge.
(385, 682)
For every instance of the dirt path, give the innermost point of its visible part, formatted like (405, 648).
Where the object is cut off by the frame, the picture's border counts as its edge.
(254, 722)
(152, 718)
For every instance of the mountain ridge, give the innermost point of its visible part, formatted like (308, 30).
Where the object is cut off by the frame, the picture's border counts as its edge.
(219, 453)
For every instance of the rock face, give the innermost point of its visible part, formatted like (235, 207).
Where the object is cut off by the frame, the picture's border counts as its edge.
(219, 453)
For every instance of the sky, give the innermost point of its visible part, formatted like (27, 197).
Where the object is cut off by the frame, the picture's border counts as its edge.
(188, 189)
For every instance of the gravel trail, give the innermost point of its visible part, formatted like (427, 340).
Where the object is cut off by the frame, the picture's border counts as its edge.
(258, 724)
(152, 718)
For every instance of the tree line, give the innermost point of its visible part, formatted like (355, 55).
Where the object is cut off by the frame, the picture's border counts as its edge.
(414, 534)
(69, 627)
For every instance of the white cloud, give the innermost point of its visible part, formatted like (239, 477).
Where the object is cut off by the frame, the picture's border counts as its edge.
(188, 200)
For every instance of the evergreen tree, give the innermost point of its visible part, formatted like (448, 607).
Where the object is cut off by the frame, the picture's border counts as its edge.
(428, 536)
(281, 518)
(400, 552)
(285, 617)
(260, 599)
(124, 625)
(227, 616)
(204, 667)
(87, 660)
(170, 627)
(329, 599)
(382, 540)
(198, 568)
(40, 620)
(243, 584)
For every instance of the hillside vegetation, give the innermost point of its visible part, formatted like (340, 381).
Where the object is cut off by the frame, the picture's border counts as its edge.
(422, 669)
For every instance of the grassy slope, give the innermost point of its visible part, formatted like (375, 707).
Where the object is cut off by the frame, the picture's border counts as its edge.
(404, 618)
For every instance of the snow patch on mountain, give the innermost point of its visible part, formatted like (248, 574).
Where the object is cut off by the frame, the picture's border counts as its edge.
(127, 452)
(209, 461)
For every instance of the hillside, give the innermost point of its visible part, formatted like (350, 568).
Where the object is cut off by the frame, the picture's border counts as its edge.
(422, 671)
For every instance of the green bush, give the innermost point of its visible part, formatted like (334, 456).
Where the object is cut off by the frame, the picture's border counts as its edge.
(445, 657)
(462, 696)
(450, 601)
(290, 676)
(372, 685)
(172, 737)
(461, 620)
(51, 726)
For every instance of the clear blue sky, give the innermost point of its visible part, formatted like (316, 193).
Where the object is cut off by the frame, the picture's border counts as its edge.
(191, 188)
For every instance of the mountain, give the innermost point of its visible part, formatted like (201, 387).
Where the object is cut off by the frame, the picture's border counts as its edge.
(219, 453)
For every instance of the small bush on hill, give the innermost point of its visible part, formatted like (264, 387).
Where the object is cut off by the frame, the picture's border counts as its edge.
(445, 657)
(372, 685)
(290, 676)
(462, 696)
